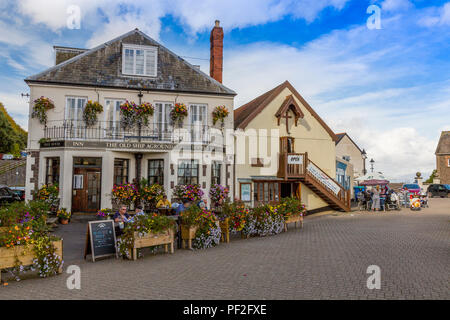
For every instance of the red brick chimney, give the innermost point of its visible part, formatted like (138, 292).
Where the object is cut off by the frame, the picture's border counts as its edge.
(216, 59)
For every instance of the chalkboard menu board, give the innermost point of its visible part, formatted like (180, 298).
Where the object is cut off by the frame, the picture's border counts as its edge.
(100, 239)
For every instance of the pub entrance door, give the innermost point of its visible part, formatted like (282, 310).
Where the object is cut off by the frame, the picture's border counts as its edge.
(86, 185)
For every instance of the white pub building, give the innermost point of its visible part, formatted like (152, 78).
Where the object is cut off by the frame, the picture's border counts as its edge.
(86, 161)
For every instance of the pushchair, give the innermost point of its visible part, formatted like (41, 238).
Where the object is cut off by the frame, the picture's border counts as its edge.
(392, 202)
(424, 201)
(364, 202)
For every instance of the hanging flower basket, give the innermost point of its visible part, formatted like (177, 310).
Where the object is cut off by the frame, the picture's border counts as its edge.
(178, 113)
(220, 113)
(190, 192)
(142, 112)
(150, 193)
(91, 109)
(41, 106)
(218, 194)
(128, 114)
(125, 193)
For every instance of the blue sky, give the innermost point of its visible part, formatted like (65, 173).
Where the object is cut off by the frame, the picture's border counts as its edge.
(389, 88)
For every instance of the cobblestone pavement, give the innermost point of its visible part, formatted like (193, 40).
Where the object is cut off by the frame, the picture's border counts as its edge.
(327, 259)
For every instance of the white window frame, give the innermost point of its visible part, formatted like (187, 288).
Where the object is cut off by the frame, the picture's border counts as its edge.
(144, 48)
(66, 111)
(114, 100)
(115, 128)
(167, 122)
(193, 127)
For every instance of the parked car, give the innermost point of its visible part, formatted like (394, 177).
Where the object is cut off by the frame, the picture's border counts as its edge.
(412, 188)
(8, 157)
(20, 191)
(7, 195)
(438, 190)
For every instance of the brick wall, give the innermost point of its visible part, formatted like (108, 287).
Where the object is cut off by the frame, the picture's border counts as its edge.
(35, 169)
(443, 168)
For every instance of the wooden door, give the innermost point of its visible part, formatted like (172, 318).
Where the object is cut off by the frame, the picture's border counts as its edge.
(287, 145)
(86, 190)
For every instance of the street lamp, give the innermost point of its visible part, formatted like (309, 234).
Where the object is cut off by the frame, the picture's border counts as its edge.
(364, 156)
(371, 164)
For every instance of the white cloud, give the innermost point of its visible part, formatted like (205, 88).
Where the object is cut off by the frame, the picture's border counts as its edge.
(10, 34)
(195, 15)
(396, 5)
(436, 16)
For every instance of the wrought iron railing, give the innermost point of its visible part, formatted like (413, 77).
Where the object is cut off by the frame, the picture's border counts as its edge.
(115, 131)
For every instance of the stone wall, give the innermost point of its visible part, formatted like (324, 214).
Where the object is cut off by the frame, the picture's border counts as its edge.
(10, 178)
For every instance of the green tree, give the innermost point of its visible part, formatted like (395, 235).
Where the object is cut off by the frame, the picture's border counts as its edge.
(6, 138)
(431, 178)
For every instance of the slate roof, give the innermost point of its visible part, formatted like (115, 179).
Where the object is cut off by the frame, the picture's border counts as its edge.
(102, 67)
(244, 114)
(444, 143)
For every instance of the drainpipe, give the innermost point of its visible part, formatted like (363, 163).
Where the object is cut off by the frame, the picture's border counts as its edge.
(140, 95)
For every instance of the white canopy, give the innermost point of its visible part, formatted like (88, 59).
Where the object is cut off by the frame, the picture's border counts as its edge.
(371, 176)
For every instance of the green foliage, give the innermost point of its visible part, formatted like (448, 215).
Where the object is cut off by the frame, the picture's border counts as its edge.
(12, 136)
(432, 176)
(26, 225)
(190, 216)
(142, 224)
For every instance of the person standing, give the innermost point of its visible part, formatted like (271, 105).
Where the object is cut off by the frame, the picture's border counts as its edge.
(376, 198)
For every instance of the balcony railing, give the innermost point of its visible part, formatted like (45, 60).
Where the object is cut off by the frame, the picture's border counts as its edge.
(114, 131)
(291, 165)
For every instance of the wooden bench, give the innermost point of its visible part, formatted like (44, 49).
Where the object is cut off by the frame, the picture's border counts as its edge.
(165, 238)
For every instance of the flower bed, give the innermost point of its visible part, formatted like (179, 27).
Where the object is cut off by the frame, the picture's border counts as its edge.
(49, 193)
(25, 255)
(263, 221)
(145, 231)
(292, 210)
(25, 242)
(200, 228)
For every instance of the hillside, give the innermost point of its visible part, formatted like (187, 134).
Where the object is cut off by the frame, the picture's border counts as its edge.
(13, 138)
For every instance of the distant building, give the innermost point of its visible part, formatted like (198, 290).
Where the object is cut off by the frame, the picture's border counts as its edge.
(348, 150)
(344, 174)
(443, 157)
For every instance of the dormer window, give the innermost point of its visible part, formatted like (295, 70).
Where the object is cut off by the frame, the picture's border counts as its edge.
(139, 60)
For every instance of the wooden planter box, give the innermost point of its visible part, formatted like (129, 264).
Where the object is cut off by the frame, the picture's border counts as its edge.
(225, 230)
(165, 238)
(24, 254)
(294, 219)
(187, 234)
